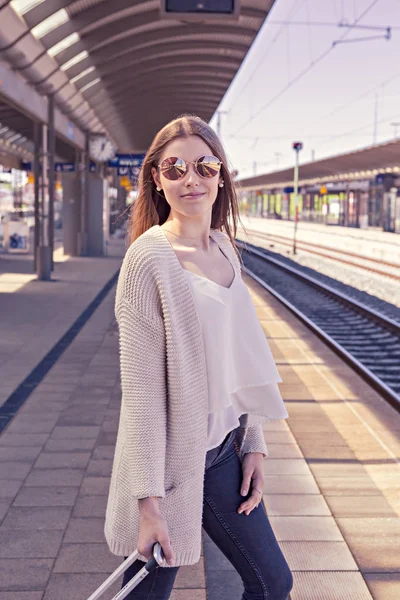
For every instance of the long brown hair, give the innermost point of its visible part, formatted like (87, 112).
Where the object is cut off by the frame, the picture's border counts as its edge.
(151, 207)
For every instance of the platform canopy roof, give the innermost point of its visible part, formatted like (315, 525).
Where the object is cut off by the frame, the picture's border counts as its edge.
(360, 164)
(134, 68)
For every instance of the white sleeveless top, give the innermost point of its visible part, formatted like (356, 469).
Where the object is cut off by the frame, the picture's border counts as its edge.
(241, 371)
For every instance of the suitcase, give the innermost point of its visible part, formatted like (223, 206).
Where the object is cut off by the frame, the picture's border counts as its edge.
(157, 560)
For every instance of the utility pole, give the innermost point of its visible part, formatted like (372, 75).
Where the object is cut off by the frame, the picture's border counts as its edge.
(277, 156)
(375, 119)
(297, 146)
(219, 113)
(395, 125)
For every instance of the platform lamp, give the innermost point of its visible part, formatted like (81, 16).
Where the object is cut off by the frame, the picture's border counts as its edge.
(297, 146)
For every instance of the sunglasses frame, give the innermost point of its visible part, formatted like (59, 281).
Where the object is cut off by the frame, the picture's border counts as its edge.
(192, 162)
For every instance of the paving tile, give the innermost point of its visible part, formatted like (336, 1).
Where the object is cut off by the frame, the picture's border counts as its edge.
(99, 468)
(336, 469)
(218, 586)
(19, 454)
(359, 506)
(32, 518)
(76, 416)
(177, 594)
(322, 438)
(374, 542)
(85, 530)
(290, 484)
(296, 505)
(23, 439)
(86, 558)
(318, 556)
(21, 595)
(95, 486)
(284, 451)
(4, 506)
(8, 488)
(319, 451)
(107, 438)
(59, 460)
(77, 586)
(73, 432)
(14, 470)
(348, 486)
(103, 453)
(191, 576)
(74, 445)
(25, 574)
(276, 466)
(90, 506)
(30, 544)
(289, 528)
(325, 585)
(383, 586)
(279, 437)
(46, 496)
(30, 424)
(56, 477)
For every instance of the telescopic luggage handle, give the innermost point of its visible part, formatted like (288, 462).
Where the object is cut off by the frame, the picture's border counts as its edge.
(157, 560)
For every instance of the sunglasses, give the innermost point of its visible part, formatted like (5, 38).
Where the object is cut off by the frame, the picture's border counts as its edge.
(174, 168)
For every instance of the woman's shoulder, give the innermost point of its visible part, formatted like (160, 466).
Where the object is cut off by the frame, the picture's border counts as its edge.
(144, 251)
(139, 269)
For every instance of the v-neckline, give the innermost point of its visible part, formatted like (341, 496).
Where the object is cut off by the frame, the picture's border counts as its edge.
(200, 276)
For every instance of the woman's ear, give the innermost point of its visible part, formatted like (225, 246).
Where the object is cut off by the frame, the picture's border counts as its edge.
(156, 178)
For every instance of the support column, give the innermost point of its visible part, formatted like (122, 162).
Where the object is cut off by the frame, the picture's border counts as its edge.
(36, 174)
(84, 192)
(51, 181)
(43, 262)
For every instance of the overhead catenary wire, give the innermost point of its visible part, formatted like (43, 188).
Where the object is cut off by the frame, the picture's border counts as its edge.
(297, 4)
(301, 74)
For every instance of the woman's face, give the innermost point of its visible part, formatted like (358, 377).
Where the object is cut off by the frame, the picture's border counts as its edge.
(191, 194)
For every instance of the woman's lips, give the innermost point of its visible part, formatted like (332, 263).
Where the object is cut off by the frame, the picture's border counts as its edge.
(193, 195)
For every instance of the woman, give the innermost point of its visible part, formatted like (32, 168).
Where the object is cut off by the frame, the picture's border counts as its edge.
(198, 378)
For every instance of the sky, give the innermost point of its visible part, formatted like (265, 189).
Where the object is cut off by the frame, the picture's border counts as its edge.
(296, 84)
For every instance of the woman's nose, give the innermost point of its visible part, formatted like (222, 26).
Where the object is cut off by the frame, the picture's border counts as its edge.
(191, 175)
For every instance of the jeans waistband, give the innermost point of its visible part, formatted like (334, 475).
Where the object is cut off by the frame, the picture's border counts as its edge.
(215, 454)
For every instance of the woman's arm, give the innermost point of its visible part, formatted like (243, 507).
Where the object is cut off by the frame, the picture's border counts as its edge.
(143, 420)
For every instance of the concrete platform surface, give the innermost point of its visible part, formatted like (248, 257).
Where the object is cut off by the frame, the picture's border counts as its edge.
(331, 479)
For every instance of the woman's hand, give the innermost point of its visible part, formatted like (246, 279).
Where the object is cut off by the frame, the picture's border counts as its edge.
(252, 466)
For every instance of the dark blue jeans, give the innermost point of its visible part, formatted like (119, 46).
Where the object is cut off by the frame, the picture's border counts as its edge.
(248, 542)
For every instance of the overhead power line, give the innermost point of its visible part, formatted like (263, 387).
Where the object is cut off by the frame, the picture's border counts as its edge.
(293, 11)
(312, 64)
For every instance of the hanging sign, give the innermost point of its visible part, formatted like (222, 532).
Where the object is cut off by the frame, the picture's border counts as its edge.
(126, 160)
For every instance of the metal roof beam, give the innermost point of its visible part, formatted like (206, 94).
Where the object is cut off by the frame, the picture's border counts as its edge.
(23, 97)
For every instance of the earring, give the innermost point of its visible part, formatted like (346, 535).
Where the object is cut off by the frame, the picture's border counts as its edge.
(221, 184)
(159, 189)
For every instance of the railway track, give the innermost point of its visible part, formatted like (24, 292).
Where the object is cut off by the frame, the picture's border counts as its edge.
(366, 339)
(366, 263)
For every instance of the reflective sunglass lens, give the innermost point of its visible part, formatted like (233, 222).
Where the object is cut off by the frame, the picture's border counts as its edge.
(208, 166)
(173, 168)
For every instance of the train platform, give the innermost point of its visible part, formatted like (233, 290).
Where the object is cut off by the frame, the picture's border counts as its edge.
(331, 479)
(371, 242)
(35, 315)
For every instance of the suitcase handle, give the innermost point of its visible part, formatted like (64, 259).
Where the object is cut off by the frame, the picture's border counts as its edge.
(157, 560)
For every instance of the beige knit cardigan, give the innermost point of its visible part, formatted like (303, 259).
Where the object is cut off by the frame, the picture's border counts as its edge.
(162, 435)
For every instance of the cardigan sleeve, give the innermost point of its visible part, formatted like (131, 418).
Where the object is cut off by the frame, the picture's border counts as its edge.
(254, 441)
(143, 419)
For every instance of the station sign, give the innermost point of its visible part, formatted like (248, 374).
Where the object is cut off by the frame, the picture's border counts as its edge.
(289, 189)
(131, 172)
(64, 167)
(126, 160)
